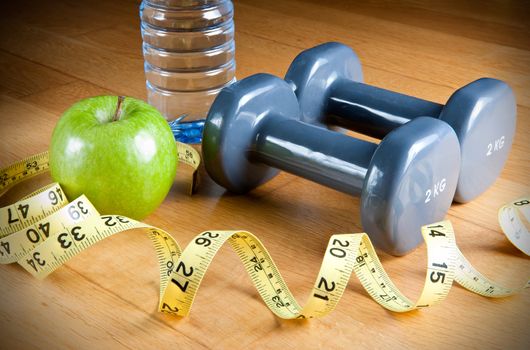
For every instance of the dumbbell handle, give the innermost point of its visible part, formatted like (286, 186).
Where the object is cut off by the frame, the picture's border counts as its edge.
(323, 156)
(374, 111)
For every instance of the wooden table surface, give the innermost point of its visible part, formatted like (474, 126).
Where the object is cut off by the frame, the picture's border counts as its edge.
(54, 53)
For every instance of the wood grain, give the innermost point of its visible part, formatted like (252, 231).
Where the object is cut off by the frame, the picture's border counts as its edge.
(53, 53)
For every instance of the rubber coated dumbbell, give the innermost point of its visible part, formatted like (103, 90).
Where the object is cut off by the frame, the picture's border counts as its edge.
(253, 129)
(327, 80)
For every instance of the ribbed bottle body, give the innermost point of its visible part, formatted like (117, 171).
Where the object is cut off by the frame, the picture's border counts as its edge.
(189, 53)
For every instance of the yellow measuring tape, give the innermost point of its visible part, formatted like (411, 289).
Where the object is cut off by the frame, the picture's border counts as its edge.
(43, 231)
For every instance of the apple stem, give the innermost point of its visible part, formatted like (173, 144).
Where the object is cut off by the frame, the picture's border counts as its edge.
(117, 114)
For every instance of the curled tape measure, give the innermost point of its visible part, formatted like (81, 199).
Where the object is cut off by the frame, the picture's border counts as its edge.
(43, 231)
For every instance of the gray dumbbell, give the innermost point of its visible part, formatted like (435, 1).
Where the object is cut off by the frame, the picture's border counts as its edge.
(408, 180)
(327, 80)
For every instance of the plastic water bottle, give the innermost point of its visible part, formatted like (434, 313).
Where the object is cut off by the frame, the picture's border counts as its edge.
(188, 48)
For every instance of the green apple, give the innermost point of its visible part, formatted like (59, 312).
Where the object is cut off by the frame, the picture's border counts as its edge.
(118, 151)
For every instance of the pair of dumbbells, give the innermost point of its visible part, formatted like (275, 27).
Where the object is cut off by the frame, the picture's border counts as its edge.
(262, 124)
